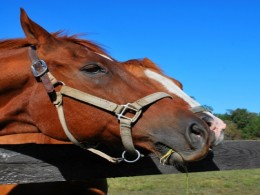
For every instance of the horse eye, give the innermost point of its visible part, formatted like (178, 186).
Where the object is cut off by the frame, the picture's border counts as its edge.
(93, 68)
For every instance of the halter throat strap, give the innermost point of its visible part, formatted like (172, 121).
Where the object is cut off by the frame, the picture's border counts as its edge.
(41, 73)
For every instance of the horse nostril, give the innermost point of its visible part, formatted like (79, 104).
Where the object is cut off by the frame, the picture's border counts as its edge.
(196, 135)
(208, 120)
(195, 130)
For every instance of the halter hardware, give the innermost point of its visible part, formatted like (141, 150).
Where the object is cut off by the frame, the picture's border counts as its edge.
(131, 161)
(42, 68)
(128, 108)
(40, 71)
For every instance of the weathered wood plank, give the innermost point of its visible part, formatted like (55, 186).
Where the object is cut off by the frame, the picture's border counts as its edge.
(31, 163)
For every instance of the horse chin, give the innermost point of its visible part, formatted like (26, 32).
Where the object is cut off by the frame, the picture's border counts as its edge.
(170, 156)
(175, 159)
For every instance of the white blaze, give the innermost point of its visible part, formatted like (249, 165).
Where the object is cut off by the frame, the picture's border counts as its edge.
(171, 87)
(104, 56)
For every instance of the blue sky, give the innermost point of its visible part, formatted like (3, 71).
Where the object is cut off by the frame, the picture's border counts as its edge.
(212, 47)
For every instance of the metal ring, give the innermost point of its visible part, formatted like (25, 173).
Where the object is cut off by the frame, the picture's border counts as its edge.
(131, 161)
(61, 83)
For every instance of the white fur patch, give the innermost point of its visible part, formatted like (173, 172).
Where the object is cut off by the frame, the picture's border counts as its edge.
(171, 87)
(104, 56)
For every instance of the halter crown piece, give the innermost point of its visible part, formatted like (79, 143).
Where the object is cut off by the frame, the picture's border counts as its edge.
(41, 73)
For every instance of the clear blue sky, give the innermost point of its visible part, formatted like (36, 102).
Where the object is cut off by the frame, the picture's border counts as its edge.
(212, 47)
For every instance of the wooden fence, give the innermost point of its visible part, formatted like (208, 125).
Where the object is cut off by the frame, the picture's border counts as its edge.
(32, 163)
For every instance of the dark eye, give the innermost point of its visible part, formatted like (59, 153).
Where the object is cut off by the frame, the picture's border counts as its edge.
(93, 68)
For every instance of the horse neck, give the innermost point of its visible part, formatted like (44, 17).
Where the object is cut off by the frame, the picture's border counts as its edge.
(15, 92)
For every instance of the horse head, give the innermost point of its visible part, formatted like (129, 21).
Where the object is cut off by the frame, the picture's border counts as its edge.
(97, 99)
(148, 71)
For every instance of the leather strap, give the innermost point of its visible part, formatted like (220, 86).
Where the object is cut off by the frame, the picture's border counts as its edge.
(88, 98)
(40, 70)
(199, 109)
(59, 107)
(125, 122)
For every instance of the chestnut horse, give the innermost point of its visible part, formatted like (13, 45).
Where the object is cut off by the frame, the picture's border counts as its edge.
(139, 68)
(27, 103)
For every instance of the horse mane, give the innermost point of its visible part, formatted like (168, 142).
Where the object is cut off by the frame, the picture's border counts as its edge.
(9, 44)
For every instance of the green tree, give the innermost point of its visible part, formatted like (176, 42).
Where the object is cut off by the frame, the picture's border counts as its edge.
(252, 130)
(231, 131)
(241, 124)
(241, 117)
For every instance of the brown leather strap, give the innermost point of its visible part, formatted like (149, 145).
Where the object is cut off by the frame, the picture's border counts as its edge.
(39, 69)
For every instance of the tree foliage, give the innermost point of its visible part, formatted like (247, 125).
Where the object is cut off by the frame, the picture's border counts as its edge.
(241, 124)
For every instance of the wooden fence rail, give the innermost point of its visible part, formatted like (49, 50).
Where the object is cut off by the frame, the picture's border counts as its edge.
(32, 163)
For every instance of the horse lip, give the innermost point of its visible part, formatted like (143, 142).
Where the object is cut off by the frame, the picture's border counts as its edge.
(178, 157)
(217, 126)
(174, 158)
(216, 137)
(214, 142)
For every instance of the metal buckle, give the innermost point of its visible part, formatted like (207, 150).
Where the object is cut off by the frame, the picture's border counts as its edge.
(126, 108)
(43, 68)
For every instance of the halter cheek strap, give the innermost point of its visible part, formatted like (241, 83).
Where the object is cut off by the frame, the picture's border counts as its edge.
(40, 71)
(119, 110)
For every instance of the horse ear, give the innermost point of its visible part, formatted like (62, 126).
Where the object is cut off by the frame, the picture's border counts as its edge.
(35, 33)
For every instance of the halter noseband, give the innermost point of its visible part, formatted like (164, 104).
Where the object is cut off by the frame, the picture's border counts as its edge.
(41, 73)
